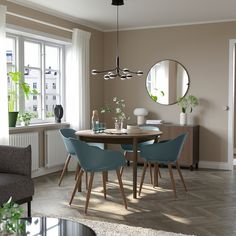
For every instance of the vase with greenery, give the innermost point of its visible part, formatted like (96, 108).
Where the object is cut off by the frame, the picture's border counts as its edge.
(17, 85)
(25, 118)
(118, 112)
(10, 214)
(186, 104)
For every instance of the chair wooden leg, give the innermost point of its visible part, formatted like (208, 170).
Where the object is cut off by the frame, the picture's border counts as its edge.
(64, 168)
(150, 166)
(181, 176)
(86, 180)
(122, 170)
(76, 185)
(121, 187)
(156, 171)
(89, 192)
(104, 184)
(172, 179)
(159, 172)
(77, 171)
(142, 178)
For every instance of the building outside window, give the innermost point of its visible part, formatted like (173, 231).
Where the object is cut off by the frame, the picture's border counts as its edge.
(35, 57)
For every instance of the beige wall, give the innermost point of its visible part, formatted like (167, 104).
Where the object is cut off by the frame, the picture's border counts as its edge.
(96, 40)
(204, 51)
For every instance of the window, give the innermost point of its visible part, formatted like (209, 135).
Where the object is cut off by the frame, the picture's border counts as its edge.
(34, 85)
(42, 65)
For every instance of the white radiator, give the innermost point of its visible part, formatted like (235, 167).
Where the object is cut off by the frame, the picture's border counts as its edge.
(25, 139)
(55, 149)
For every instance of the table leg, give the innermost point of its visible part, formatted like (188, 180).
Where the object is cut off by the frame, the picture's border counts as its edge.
(106, 172)
(135, 157)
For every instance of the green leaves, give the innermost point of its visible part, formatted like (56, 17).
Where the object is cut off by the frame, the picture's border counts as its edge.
(19, 83)
(187, 103)
(10, 214)
(117, 109)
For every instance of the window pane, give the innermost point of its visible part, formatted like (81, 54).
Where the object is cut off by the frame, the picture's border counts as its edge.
(52, 57)
(10, 53)
(33, 78)
(52, 82)
(50, 102)
(33, 105)
(32, 54)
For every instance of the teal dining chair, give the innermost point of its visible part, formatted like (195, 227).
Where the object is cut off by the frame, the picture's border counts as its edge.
(129, 148)
(65, 134)
(166, 153)
(94, 159)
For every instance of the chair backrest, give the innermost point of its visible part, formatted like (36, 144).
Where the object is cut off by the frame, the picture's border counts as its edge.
(67, 133)
(92, 158)
(164, 152)
(149, 127)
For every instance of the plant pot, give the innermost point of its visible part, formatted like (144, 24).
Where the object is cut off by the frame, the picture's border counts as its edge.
(12, 118)
(183, 118)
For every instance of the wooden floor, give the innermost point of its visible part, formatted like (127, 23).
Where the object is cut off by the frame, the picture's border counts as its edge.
(209, 207)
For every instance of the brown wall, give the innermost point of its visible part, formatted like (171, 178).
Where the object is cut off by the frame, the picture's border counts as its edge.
(96, 40)
(204, 51)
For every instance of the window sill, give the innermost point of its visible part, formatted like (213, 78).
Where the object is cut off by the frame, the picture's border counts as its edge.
(34, 127)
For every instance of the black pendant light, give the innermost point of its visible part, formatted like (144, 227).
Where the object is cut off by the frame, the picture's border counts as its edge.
(117, 72)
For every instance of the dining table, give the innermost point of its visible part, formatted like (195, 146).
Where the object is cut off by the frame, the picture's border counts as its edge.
(111, 136)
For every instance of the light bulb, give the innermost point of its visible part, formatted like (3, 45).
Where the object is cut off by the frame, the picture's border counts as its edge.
(126, 70)
(123, 77)
(139, 72)
(106, 77)
(112, 75)
(129, 76)
(94, 72)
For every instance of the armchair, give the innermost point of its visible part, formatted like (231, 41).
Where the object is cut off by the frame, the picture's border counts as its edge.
(15, 175)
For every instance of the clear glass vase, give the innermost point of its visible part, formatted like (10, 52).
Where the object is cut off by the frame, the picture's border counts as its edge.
(118, 124)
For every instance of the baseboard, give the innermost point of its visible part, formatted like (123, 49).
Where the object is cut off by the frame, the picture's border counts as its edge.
(46, 171)
(214, 165)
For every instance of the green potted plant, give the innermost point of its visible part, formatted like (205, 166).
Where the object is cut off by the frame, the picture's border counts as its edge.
(186, 104)
(10, 214)
(13, 92)
(25, 118)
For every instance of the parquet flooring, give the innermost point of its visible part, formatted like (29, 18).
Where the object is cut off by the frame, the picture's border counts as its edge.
(207, 209)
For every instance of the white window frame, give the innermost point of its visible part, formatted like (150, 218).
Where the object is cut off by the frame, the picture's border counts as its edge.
(19, 61)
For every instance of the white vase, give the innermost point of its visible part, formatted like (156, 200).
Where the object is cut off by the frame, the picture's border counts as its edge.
(183, 118)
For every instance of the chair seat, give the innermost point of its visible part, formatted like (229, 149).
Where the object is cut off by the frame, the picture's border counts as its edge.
(16, 186)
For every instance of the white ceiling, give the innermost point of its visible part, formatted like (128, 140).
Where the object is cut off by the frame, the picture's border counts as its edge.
(101, 14)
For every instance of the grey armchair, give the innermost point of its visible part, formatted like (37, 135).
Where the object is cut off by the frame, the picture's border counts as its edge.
(15, 175)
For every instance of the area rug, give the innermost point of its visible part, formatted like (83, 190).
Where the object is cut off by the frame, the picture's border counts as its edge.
(102, 228)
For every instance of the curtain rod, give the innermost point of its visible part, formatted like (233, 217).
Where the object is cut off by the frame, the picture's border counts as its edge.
(39, 21)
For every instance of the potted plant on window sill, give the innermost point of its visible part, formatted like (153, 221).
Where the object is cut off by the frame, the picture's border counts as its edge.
(25, 118)
(17, 85)
(186, 104)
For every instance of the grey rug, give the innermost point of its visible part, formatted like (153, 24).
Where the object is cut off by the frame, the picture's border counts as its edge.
(102, 228)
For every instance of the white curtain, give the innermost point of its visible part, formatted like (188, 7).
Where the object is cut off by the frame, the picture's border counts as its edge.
(77, 81)
(4, 130)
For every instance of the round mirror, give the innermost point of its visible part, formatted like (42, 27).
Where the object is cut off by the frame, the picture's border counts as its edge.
(167, 81)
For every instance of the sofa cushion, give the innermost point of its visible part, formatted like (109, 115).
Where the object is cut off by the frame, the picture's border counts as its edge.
(16, 186)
